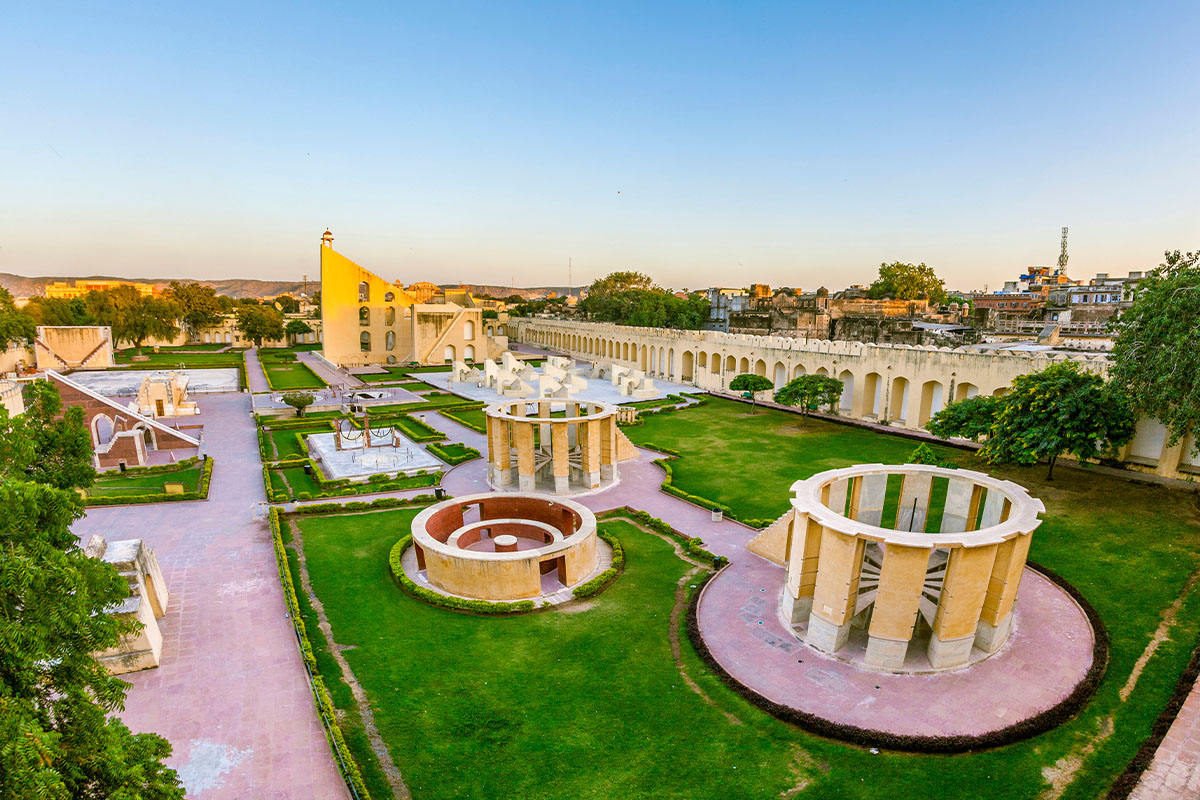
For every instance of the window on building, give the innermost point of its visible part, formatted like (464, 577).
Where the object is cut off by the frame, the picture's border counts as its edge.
(469, 330)
(389, 340)
(364, 316)
(389, 316)
(364, 341)
(364, 292)
(389, 297)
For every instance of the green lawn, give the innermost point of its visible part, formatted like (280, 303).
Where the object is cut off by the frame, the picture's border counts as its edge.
(285, 443)
(174, 359)
(131, 483)
(293, 480)
(460, 698)
(473, 416)
(283, 376)
(129, 352)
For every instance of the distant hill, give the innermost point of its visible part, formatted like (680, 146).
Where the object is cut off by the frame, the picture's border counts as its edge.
(22, 286)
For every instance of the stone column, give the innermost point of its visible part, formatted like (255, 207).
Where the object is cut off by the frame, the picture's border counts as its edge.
(901, 579)
(871, 494)
(995, 509)
(559, 455)
(995, 620)
(526, 478)
(959, 495)
(967, 575)
(833, 495)
(543, 412)
(608, 448)
(914, 502)
(836, 592)
(589, 438)
(803, 554)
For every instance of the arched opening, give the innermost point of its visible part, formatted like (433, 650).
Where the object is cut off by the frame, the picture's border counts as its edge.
(364, 292)
(364, 341)
(364, 316)
(898, 407)
(653, 358)
(798, 371)
(780, 375)
(872, 394)
(730, 364)
(702, 360)
(846, 402)
(965, 391)
(644, 358)
(670, 370)
(389, 315)
(744, 366)
(102, 429)
(389, 297)
(469, 330)
(1003, 390)
(389, 340)
(469, 352)
(448, 354)
(686, 371)
(760, 368)
(932, 401)
(391, 359)
(822, 371)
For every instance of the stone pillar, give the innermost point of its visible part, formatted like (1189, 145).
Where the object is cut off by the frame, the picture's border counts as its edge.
(836, 592)
(526, 478)
(871, 495)
(498, 441)
(959, 494)
(897, 600)
(914, 501)
(589, 438)
(995, 620)
(560, 455)
(543, 412)
(803, 553)
(833, 495)
(995, 509)
(608, 448)
(967, 575)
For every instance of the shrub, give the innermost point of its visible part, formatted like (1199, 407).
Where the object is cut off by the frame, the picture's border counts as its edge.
(453, 603)
(602, 581)
(303, 495)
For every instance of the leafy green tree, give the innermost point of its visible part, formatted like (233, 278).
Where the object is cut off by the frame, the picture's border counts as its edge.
(258, 323)
(1157, 351)
(1061, 409)
(287, 304)
(15, 324)
(631, 298)
(490, 313)
(296, 327)
(923, 454)
(298, 401)
(57, 738)
(972, 418)
(751, 384)
(908, 282)
(809, 392)
(58, 311)
(198, 305)
(133, 317)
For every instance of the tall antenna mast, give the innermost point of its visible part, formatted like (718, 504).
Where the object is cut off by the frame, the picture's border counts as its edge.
(1062, 255)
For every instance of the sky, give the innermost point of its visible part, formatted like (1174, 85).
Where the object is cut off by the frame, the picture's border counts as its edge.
(793, 144)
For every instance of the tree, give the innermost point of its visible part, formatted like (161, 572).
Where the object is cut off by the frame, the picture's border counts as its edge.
(296, 327)
(631, 298)
(198, 305)
(298, 401)
(809, 392)
(57, 738)
(258, 323)
(1061, 409)
(1157, 351)
(908, 282)
(972, 418)
(490, 313)
(15, 324)
(47, 444)
(58, 311)
(133, 317)
(751, 385)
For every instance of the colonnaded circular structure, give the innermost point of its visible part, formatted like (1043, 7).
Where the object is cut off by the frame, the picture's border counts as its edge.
(910, 553)
(533, 450)
(505, 546)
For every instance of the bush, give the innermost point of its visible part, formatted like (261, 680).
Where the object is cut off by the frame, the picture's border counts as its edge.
(442, 452)
(692, 545)
(303, 495)
(601, 582)
(453, 603)
(160, 497)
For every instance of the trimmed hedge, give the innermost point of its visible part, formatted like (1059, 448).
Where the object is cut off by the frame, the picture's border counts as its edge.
(160, 497)
(1044, 721)
(669, 405)
(364, 505)
(326, 710)
(448, 413)
(452, 603)
(440, 450)
(692, 545)
(602, 581)
(343, 487)
(668, 486)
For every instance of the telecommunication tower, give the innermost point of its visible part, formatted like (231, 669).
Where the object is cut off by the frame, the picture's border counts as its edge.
(1062, 254)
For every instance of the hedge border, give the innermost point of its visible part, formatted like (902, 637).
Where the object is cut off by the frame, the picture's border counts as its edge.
(449, 414)
(1040, 723)
(341, 487)
(668, 486)
(267, 374)
(1129, 778)
(609, 576)
(325, 707)
(439, 450)
(160, 497)
(692, 545)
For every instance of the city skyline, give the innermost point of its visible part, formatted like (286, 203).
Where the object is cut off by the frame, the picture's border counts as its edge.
(713, 145)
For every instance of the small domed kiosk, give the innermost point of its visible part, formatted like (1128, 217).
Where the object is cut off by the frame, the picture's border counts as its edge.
(942, 565)
(502, 547)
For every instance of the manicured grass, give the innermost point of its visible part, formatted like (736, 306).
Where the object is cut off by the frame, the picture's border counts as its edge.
(427, 402)
(294, 480)
(116, 484)
(129, 352)
(473, 417)
(453, 453)
(174, 359)
(284, 376)
(284, 441)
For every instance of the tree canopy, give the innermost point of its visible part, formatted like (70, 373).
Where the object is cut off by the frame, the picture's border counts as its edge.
(57, 738)
(631, 298)
(1157, 351)
(197, 304)
(1061, 409)
(258, 323)
(902, 281)
(809, 392)
(296, 327)
(15, 325)
(133, 317)
(298, 401)
(972, 418)
(751, 384)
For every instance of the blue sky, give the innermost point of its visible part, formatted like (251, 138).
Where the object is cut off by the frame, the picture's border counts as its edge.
(702, 143)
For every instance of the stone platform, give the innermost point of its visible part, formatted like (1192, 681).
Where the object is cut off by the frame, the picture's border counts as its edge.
(1048, 653)
(358, 462)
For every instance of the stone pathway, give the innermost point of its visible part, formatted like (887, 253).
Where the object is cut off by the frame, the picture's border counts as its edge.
(231, 694)
(335, 378)
(1174, 774)
(256, 379)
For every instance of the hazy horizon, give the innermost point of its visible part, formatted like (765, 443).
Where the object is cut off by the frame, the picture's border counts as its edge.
(720, 144)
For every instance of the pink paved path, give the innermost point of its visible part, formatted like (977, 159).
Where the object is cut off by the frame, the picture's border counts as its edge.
(1175, 772)
(335, 378)
(231, 694)
(256, 379)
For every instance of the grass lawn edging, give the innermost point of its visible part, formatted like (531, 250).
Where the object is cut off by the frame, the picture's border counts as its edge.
(606, 578)
(692, 545)
(442, 452)
(449, 413)
(159, 497)
(292, 365)
(1040, 723)
(342, 487)
(668, 486)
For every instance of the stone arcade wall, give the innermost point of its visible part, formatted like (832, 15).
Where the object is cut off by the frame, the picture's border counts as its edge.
(898, 385)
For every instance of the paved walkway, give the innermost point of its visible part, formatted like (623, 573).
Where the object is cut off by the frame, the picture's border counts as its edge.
(335, 378)
(1174, 774)
(256, 379)
(231, 694)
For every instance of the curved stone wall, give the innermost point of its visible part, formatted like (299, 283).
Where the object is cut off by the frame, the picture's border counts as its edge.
(533, 450)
